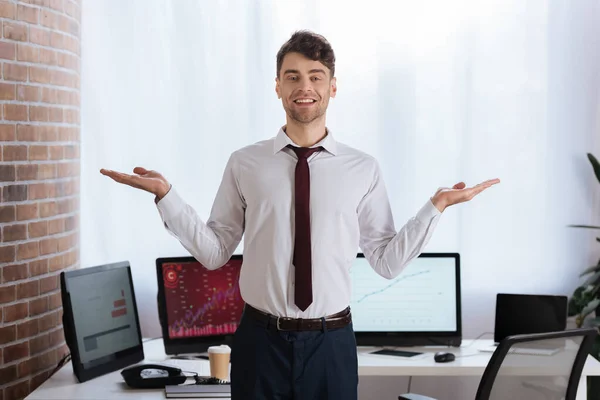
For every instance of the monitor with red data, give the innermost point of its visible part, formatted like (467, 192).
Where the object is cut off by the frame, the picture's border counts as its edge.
(198, 307)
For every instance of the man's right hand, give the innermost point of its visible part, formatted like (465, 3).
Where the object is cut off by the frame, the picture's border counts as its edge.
(150, 181)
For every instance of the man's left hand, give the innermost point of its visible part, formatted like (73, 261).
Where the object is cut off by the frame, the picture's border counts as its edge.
(459, 193)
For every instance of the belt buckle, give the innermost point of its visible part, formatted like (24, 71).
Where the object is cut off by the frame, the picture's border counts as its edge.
(278, 324)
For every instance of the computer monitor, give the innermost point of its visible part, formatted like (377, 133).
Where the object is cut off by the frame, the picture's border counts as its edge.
(421, 306)
(518, 314)
(197, 307)
(100, 319)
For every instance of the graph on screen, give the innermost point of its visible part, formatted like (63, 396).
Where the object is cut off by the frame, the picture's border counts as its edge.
(202, 302)
(421, 299)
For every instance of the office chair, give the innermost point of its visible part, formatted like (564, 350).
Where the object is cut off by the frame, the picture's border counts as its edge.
(511, 374)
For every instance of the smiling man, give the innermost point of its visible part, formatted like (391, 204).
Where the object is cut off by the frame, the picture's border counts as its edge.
(305, 203)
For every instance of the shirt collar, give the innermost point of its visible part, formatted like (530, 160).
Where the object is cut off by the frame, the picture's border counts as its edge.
(282, 140)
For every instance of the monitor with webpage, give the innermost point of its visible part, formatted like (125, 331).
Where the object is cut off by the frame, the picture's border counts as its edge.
(100, 319)
(421, 306)
(198, 307)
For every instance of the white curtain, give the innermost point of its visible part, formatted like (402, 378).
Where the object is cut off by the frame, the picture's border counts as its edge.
(438, 92)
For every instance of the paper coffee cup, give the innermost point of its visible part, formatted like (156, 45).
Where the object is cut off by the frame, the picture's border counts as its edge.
(218, 357)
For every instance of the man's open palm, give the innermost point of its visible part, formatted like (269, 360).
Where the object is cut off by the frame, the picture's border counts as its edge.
(150, 181)
(460, 193)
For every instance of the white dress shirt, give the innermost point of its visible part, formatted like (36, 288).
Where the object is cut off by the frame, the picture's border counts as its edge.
(349, 209)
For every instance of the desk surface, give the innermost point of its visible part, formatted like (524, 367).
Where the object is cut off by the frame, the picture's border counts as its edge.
(469, 362)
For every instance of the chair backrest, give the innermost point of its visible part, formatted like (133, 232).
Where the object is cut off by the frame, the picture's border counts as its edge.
(544, 366)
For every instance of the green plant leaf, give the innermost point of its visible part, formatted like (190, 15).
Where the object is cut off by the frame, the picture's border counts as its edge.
(595, 165)
(593, 268)
(593, 280)
(584, 226)
(590, 307)
(593, 322)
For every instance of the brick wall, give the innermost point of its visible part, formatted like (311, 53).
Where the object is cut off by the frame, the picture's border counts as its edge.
(39, 182)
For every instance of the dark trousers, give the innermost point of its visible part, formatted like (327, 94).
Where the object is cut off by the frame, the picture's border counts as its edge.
(307, 365)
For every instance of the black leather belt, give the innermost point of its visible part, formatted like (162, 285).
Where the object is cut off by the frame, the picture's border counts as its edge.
(334, 321)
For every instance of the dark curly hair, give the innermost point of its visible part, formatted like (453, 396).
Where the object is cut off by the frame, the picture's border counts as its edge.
(310, 45)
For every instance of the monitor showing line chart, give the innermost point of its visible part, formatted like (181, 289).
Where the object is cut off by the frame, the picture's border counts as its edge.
(423, 298)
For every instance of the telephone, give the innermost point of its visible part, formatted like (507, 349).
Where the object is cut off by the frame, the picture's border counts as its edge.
(153, 376)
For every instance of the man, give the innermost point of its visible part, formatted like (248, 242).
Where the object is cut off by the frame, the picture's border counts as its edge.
(305, 203)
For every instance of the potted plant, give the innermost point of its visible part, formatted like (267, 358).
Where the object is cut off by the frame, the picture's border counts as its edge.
(584, 304)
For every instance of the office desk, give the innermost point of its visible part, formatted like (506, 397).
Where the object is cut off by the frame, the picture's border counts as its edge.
(469, 362)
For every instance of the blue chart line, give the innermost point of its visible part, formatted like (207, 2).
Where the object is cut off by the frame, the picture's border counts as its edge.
(390, 285)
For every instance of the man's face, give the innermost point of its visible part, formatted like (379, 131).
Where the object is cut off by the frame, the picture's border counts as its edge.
(304, 87)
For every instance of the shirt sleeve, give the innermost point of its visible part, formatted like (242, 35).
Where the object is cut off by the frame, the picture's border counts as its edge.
(213, 242)
(387, 250)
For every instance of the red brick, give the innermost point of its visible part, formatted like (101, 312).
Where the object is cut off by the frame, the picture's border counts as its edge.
(38, 229)
(14, 153)
(7, 132)
(27, 172)
(15, 112)
(27, 212)
(38, 267)
(7, 334)
(49, 246)
(56, 226)
(17, 390)
(54, 301)
(56, 152)
(7, 9)
(39, 344)
(12, 233)
(43, 361)
(27, 329)
(38, 191)
(7, 91)
(7, 213)
(7, 50)
(27, 53)
(48, 321)
(28, 14)
(14, 72)
(29, 289)
(38, 113)
(39, 75)
(28, 133)
(48, 284)
(28, 93)
(27, 250)
(16, 312)
(7, 254)
(14, 193)
(7, 173)
(8, 374)
(57, 263)
(38, 306)
(11, 273)
(55, 114)
(37, 153)
(15, 31)
(16, 352)
(39, 36)
(38, 379)
(48, 133)
(48, 209)
(8, 293)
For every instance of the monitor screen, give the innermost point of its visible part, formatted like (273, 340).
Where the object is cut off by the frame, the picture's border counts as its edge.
(518, 314)
(102, 323)
(198, 307)
(422, 303)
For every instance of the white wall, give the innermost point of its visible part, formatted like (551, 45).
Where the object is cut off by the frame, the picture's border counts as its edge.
(438, 92)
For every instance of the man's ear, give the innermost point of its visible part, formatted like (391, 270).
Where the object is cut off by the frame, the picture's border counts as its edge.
(277, 89)
(333, 84)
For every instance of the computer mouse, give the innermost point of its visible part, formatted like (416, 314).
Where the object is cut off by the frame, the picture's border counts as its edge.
(442, 356)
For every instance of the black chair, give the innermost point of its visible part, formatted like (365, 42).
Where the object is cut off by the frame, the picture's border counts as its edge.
(515, 372)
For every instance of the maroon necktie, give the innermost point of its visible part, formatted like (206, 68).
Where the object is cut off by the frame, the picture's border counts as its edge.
(302, 248)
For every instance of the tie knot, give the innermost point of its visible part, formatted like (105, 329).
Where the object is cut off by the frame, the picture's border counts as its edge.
(305, 152)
